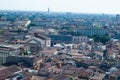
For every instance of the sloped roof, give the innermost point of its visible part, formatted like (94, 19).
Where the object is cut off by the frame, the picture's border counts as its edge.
(33, 40)
(6, 72)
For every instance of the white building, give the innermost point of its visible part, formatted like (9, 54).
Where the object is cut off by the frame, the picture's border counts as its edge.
(78, 39)
(8, 50)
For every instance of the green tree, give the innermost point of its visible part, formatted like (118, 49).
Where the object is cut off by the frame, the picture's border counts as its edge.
(98, 38)
(1, 31)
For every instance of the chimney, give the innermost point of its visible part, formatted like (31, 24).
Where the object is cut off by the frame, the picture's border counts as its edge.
(59, 64)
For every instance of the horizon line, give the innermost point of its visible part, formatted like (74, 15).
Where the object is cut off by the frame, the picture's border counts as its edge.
(58, 11)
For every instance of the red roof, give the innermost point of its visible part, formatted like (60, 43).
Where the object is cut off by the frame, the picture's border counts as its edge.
(6, 72)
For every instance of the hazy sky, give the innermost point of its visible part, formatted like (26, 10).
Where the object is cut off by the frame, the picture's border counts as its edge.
(84, 6)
